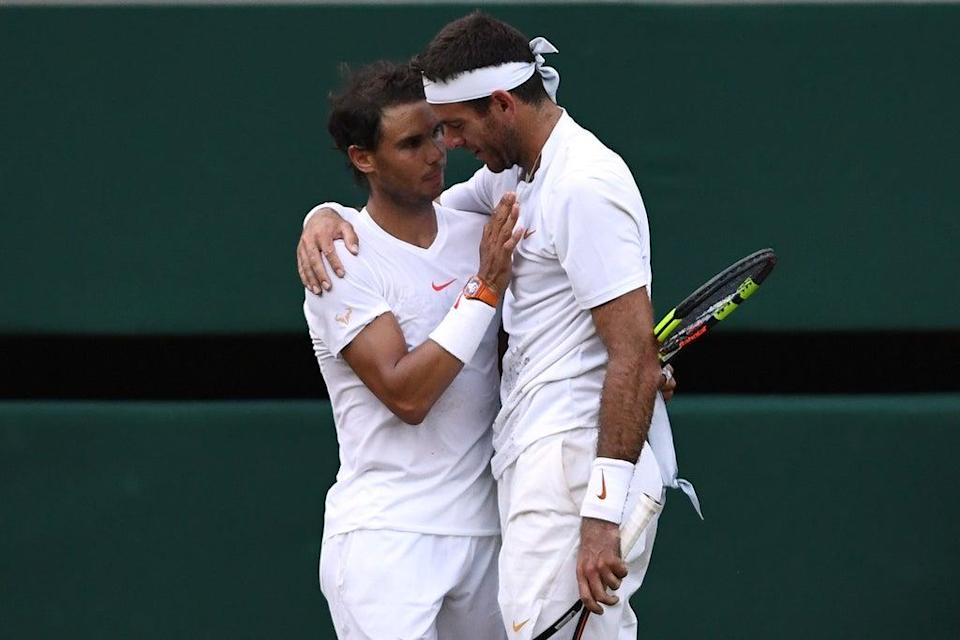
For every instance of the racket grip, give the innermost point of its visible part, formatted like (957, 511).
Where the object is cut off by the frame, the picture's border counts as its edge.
(638, 520)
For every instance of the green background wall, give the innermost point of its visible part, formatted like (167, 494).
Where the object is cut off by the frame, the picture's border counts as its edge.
(825, 518)
(157, 161)
(154, 167)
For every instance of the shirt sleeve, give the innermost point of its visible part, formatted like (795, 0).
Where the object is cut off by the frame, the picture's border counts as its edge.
(343, 211)
(475, 195)
(601, 237)
(354, 301)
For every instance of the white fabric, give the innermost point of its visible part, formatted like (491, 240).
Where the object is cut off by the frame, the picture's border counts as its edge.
(479, 83)
(587, 242)
(430, 478)
(336, 206)
(539, 497)
(367, 579)
(462, 329)
(607, 490)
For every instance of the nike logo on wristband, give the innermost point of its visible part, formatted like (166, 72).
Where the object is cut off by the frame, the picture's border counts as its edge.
(528, 233)
(441, 287)
(603, 486)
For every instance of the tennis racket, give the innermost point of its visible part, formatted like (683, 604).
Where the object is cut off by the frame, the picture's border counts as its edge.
(712, 302)
(630, 531)
(682, 326)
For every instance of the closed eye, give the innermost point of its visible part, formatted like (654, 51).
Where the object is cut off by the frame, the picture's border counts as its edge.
(410, 143)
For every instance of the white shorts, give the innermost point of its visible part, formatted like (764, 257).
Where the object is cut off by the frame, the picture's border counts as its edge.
(540, 496)
(392, 585)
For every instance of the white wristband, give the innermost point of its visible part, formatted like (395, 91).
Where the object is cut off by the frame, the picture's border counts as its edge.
(464, 326)
(336, 206)
(607, 490)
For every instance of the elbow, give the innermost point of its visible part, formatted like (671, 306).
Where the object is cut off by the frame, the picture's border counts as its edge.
(409, 411)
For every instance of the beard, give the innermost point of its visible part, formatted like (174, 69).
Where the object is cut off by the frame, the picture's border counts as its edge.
(501, 154)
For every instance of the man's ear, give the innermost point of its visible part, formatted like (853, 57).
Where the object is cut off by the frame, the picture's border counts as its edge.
(361, 158)
(503, 102)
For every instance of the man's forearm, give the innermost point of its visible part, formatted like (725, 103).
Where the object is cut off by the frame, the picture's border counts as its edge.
(626, 405)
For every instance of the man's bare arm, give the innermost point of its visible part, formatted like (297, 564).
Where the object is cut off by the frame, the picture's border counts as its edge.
(625, 325)
(407, 382)
(410, 382)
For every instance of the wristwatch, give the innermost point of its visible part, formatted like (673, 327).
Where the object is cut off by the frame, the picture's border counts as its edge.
(477, 289)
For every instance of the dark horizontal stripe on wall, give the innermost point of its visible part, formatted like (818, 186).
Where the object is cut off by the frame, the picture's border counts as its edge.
(282, 365)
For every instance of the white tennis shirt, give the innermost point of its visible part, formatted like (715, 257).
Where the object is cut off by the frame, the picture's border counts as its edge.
(587, 242)
(433, 477)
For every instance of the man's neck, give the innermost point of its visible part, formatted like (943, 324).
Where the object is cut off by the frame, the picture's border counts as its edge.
(414, 224)
(538, 123)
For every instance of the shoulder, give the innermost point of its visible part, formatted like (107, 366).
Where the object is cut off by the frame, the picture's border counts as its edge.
(367, 267)
(593, 172)
(586, 156)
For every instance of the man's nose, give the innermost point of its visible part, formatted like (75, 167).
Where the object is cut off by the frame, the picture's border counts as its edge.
(452, 140)
(436, 152)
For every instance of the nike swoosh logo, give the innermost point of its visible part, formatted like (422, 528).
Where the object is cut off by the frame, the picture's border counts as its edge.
(441, 287)
(603, 486)
(528, 233)
(517, 627)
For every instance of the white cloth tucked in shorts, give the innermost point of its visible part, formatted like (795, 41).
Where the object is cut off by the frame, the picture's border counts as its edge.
(540, 496)
(397, 585)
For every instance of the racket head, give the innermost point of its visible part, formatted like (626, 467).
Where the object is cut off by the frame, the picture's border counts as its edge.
(712, 302)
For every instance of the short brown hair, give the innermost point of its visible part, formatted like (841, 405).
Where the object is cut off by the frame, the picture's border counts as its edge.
(479, 40)
(357, 108)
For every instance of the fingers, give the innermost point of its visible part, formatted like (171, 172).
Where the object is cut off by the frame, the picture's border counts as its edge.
(513, 240)
(668, 384)
(330, 253)
(586, 594)
(507, 230)
(667, 373)
(316, 245)
(315, 266)
(596, 577)
(594, 582)
(504, 207)
(350, 238)
(308, 276)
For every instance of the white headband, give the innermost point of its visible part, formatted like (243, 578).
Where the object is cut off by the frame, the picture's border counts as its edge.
(480, 83)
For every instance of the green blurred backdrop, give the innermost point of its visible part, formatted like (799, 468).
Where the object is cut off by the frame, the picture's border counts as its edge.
(157, 161)
(155, 164)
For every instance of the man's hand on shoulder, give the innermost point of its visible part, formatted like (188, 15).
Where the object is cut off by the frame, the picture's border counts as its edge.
(323, 227)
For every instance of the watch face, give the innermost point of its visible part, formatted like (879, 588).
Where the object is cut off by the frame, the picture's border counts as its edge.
(473, 285)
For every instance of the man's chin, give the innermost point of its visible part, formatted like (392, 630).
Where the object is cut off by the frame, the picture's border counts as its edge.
(496, 168)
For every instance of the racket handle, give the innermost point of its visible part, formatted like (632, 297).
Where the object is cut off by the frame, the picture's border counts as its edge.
(638, 520)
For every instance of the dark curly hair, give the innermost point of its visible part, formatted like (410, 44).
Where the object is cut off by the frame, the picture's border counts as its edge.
(357, 108)
(479, 40)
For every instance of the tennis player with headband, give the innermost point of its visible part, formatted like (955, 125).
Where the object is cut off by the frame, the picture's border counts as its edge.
(582, 430)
